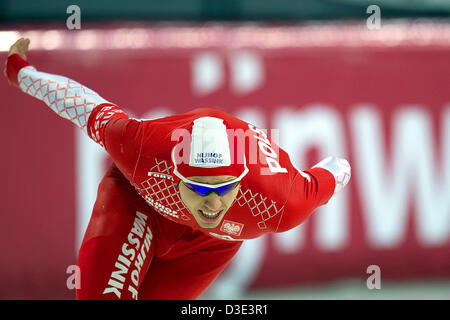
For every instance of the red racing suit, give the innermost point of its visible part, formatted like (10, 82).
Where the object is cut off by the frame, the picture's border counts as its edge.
(142, 242)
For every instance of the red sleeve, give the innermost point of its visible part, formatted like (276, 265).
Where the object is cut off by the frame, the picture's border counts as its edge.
(305, 196)
(120, 136)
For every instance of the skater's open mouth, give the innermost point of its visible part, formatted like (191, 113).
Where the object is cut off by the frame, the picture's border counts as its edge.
(211, 216)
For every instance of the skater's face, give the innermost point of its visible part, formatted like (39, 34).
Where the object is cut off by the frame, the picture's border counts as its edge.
(208, 210)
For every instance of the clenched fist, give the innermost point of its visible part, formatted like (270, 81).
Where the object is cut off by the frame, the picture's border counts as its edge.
(19, 47)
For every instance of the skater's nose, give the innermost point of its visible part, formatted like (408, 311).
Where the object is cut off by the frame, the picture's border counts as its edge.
(212, 202)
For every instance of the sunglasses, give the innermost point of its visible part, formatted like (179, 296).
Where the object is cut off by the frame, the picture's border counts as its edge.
(204, 190)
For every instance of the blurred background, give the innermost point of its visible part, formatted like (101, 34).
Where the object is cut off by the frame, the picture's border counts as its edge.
(365, 80)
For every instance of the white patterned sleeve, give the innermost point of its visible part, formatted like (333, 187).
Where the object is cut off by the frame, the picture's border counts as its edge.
(68, 98)
(102, 121)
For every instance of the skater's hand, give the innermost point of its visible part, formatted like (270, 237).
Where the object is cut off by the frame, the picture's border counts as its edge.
(20, 47)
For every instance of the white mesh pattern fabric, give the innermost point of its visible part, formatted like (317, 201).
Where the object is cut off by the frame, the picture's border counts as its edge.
(344, 177)
(66, 97)
(161, 193)
(340, 168)
(259, 206)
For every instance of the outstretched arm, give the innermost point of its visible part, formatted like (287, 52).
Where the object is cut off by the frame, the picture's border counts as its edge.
(68, 98)
(103, 121)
